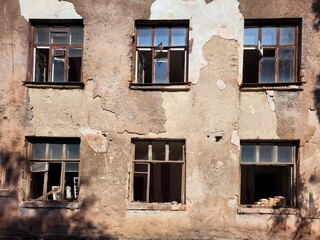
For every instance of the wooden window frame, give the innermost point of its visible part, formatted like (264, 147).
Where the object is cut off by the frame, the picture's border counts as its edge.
(153, 24)
(63, 160)
(277, 23)
(294, 144)
(150, 161)
(53, 27)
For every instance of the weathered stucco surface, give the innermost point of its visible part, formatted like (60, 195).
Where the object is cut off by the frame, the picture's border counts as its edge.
(213, 116)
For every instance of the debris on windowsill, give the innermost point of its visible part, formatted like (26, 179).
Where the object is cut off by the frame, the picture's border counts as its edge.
(276, 201)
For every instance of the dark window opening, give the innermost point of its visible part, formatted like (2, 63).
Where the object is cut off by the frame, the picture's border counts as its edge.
(158, 171)
(267, 174)
(271, 53)
(54, 170)
(266, 182)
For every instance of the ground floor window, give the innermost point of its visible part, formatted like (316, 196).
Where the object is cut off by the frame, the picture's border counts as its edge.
(54, 169)
(268, 173)
(158, 171)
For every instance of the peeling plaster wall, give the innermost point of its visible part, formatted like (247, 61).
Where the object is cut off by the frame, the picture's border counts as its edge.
(47, 9)
(213, 116)
(207, 19)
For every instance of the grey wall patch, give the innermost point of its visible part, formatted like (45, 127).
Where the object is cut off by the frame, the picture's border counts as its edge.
(96, 141)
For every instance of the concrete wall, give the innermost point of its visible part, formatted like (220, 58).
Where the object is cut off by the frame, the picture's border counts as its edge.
(107, 114)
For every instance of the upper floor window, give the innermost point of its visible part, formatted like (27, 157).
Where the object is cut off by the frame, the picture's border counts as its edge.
(53, 169)
(56, 52)
(161, 51)
(271, 51)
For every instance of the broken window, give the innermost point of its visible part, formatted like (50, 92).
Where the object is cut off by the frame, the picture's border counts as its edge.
(161, 52)
(57, 53)
(271, 52)
(54, 169)
(158, 171)
(4, 171)
(267, 173)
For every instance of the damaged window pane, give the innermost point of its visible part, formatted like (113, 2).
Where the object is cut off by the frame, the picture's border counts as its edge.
(270, 53)
(74, 70)
(177, 62)
(270, 181)
(267, 66)
(144, 67)
(57, 64)
(161, 68)
(41, 65)
(52, 175)
(158, 179)
(158, 150)
(161, 53)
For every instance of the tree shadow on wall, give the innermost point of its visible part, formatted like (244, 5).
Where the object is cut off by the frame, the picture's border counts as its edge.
(316, 97)
(41, 223)
(316, 11)
(298, 224)
(307, 211)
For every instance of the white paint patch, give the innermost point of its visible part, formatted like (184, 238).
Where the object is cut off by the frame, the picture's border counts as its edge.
(220, 17)
(48, 9)
(96, 141)
(252, 110)
(221, 85)
(270, 97)
(235, 140)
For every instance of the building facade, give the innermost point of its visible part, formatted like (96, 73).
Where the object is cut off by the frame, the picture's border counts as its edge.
(191, 119)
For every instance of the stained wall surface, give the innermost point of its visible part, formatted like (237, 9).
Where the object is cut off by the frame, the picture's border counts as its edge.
(212, 116)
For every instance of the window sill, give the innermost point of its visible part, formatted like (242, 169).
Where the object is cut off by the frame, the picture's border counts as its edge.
(162, 87)
(59, 85)
(251, 209)
(170, 206)
(5, 192)
(295, 86)
(50, 204)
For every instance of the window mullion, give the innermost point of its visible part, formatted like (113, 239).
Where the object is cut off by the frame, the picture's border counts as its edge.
(133, 147)
(66, 63)
(152, 55)
(259, 65)
(45, 183)
(167, 152)
(169, 54)
(148, 184)
(277, 54)
(275, 154)
(62, 179)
